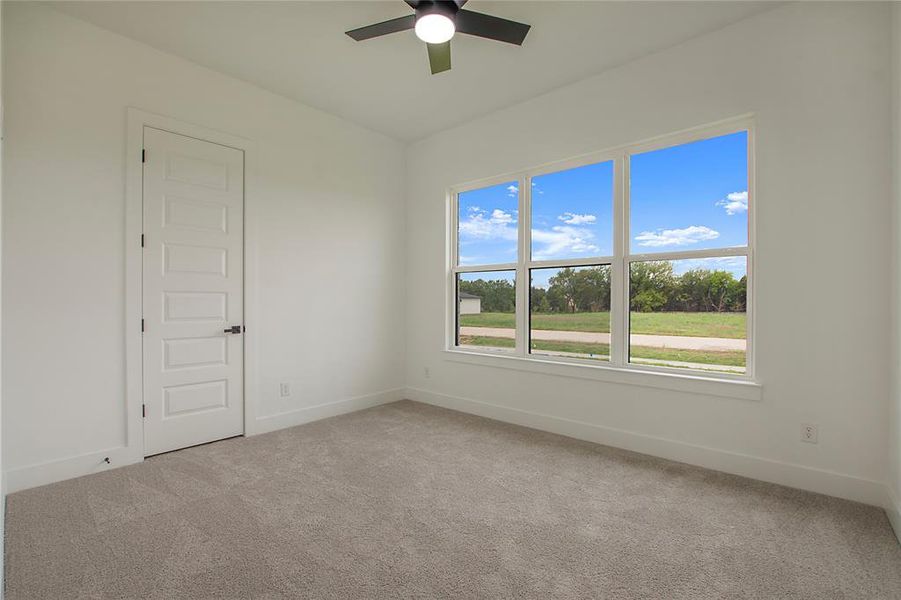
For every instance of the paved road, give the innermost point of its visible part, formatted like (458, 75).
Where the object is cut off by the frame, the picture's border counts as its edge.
(677, 342)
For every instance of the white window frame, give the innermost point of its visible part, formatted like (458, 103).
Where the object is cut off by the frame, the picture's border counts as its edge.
(619, 264)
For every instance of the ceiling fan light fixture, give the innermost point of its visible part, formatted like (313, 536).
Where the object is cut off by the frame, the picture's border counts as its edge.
(434, 28)
(435, 23)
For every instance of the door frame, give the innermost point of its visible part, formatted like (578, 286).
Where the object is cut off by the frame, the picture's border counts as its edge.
(134, 268)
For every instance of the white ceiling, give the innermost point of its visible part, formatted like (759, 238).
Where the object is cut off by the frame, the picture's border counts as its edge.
(299, 50)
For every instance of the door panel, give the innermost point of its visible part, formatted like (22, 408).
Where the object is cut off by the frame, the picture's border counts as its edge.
(204, 260)
(193, 291)
(195, 306)
(191, 214)
(195, 397)
(194, 352)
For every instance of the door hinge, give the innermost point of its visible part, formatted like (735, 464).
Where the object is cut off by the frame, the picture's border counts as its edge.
(142, 240)
(142, 325)
(143, 155)
(144, 410)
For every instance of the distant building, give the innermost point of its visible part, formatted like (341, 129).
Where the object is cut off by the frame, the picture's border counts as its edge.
(469, 304)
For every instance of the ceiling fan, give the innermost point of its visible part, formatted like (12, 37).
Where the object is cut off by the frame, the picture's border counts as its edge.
(436, 21)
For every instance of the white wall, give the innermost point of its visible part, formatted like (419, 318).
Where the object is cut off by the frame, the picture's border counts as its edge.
(894, 461)
(327, 213)
(817, 77)
(325, 218)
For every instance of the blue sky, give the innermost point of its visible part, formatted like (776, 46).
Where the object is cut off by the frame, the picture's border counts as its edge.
(687, 197)
(737, 265)
(488, 225)
(572, 213)
(690, 197)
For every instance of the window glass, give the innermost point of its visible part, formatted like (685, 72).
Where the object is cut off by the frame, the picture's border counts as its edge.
(690, 197)
(569, 312)
(680, 222)
(572, 213)
(488, 224)
(486, 310)
(689, 313)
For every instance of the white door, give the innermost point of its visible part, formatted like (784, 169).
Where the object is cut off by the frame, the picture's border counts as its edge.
(193, 291)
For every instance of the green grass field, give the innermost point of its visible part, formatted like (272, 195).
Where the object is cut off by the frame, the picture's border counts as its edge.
(720, 325)
(602, 351)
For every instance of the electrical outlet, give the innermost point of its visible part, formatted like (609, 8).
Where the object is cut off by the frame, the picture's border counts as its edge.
(808, 433)
(427, 372)
(284, 390)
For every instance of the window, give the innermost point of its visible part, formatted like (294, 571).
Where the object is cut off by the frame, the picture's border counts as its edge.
(689, 313)
(634, 258)
(487, 224)
(486, 310)
(569, 312)
(688, 268)
(487, 235)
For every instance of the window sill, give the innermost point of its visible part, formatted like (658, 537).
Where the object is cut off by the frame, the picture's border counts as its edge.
(742, 389)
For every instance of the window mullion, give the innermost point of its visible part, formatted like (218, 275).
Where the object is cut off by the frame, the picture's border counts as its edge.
(522, 269)
(618, 275)
(689, 254)
(572, 262)
(453, 217)
(486, 268)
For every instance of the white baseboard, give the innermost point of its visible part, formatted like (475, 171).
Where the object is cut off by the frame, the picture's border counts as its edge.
(30, 476)
(323, 411)
(893, 510)
(763, 469)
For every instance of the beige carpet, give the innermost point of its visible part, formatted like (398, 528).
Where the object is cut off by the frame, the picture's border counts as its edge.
(411, 501)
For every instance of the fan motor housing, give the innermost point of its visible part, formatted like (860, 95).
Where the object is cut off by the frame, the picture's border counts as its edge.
(429, 7)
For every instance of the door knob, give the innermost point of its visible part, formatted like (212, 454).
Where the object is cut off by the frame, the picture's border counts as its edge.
(234, 329)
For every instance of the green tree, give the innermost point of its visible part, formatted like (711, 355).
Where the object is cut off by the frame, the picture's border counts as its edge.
(497, 295)
(565, 286)
(648, 301)
(544, 306)
(703, 290)
(537, 298)
(652, 285)
(592, 289)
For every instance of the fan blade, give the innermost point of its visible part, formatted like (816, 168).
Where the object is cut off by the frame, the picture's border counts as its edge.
(439, 57)
(383, 28)
(493, 28)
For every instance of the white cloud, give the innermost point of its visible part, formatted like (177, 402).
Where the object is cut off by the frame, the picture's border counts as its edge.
(735, 202)
(559, 240)
(574, 219)
(676, 237)
(512, 190)
(499, 225)
(562, 240)
(499, 216)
